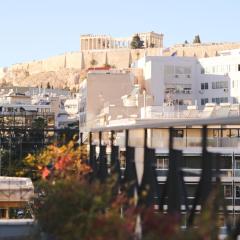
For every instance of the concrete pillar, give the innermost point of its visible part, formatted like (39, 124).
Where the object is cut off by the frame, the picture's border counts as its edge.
(7, 213)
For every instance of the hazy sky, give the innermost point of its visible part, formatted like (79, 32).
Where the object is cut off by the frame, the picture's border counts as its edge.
(35, 29)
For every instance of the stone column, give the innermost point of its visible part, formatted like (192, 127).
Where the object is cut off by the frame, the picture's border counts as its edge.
(81, 44)
(90, 43)
(94, 43)
(98, 44)
(84, 44)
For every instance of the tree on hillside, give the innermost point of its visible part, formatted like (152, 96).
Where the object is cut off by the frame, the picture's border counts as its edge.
(197, 39)
(48, 85)
(93, 62)
(136, 42)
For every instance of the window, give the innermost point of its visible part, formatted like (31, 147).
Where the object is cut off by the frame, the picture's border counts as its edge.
(162, 163)
(220, 100)
(178, 133)
(191, 190)
(234, 132)
(228, 191)
(204, 101)
(226, 162)
(193, 162)
(237, 191)
(219, 85)
(237, 164)
(204, 85)
(239, 67)
(213, 85)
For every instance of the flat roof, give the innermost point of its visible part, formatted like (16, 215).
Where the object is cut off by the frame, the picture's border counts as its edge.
(166, 123)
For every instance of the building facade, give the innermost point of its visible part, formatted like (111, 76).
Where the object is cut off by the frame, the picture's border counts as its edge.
(188, 81)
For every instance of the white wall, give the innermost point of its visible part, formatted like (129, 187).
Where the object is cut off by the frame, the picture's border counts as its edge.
(156, 80)
(217, 69)
(222, 68)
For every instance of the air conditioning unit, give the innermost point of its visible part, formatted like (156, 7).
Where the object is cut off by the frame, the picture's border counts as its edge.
(225, 89)
(200, 91)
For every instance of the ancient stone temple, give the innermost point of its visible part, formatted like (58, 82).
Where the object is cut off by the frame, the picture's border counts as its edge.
(99, 42)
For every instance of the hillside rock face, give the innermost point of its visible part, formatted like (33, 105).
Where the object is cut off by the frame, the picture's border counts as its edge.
(62, 78)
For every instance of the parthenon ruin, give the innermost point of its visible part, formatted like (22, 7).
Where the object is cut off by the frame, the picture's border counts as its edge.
(100, 42)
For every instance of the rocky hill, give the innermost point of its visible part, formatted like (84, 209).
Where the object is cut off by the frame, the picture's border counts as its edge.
(62, 78)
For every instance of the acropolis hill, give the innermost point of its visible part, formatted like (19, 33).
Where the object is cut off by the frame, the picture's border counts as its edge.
(67, 69)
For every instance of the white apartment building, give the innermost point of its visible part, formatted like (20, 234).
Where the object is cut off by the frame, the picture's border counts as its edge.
(169, 79)
(187, 81)
(219, 79)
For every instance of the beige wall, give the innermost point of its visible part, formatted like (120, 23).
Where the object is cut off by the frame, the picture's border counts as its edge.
(105, 88)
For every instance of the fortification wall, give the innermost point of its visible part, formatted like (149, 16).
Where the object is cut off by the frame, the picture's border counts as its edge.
(34, 67)
(120, 58)
(201, 50)
(74, 60)
(54, 63)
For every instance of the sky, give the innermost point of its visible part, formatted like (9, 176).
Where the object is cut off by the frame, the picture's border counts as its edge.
(37, 29)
